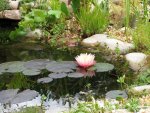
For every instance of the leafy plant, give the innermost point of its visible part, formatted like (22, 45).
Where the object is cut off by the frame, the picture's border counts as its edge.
(93, 21)
(144, 78)
(132, 105)
(87, 107)
(4, 5)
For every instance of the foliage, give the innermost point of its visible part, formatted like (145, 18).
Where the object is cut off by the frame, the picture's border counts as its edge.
(143, 78)
(22, 82)
(141, 36)
(93, 21)
(37, 18)
(87, 107)
(4, 5)
(132, 105)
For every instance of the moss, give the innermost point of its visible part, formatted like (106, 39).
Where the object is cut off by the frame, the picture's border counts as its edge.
(4, 5)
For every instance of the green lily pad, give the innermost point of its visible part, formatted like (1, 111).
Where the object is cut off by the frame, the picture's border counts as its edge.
(36, 64)
(103, 67)
(57, 75)
(44, 80)
(31, 72)
(12, 67)
(58, 67)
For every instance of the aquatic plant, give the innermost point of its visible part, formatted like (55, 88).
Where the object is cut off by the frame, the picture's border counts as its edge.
(85, 60)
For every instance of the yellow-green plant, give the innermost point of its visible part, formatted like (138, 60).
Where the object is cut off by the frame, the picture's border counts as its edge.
(141, 37)
(94, 20)
(4, 5)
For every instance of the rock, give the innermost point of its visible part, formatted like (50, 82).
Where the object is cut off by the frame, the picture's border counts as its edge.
(37, 33)
(14, 4)
(116, 93)
(7, 95)
(11, 14)
(137, 61)
(107, 42)
(141, 88)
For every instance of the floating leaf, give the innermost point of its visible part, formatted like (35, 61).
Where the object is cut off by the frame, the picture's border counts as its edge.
(36, 64)
(103, 67)
(75, 75)
(57, 75)
(7, 95)
(31, 72)
(24, 96)
(45, 80)
(57, 67)
(12, 67)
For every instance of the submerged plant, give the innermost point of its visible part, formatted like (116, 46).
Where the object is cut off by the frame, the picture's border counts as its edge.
(85, 60)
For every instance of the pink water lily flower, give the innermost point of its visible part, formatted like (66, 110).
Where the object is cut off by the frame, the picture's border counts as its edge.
(85, 60)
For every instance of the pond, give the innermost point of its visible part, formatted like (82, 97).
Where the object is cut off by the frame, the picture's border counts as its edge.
(59, 76)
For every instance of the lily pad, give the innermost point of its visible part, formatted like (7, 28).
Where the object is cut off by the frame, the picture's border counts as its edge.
(57, 75)
(36, 64)
(103, 67)
(69, 64)
(7, 95)
(115, 94)
(31, 72)
(12, 67)
(45, 80)
(24, 96)
(58, 67)
(75, 75)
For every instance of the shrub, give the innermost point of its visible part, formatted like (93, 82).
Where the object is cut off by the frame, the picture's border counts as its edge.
(4, 5)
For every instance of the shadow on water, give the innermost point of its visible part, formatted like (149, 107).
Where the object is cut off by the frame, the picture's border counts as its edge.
(97, 85)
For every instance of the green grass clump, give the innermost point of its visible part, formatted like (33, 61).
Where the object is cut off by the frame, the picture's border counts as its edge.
(141, 37)
(93, 21)
(4, 5)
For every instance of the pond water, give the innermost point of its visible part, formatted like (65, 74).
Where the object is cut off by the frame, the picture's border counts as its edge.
(96, 84)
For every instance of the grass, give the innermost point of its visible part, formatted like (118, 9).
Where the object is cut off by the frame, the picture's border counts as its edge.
(4, 5)
(141, 37)
(93, 21)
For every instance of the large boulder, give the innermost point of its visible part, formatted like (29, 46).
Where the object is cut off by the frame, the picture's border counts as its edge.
(107, 42)
(137, 61)
(11, 14)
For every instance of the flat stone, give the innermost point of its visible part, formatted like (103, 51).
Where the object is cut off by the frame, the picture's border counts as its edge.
(7, 95)
(24, 96)
(108, 43)
(137, 61)
(141, 88)
(116, 93)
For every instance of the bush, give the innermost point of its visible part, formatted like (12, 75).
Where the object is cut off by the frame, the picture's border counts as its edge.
(141, 37)
(4, 5)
